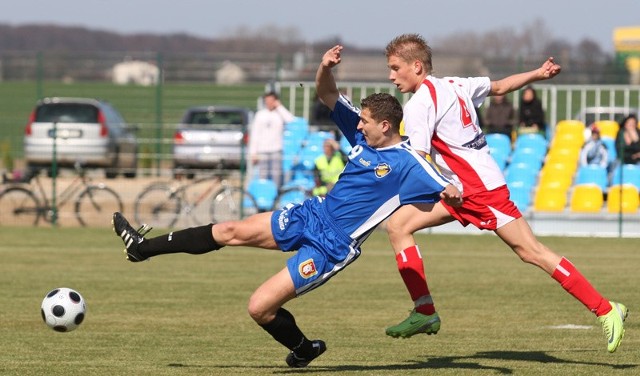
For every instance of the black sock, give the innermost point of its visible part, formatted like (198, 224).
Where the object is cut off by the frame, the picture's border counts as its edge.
(194, 240)
(284, 330)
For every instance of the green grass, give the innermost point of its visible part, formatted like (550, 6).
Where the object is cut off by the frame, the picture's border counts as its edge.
(186, 315)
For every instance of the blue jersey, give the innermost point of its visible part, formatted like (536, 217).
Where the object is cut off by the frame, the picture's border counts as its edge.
(376, 181)
(328, 232)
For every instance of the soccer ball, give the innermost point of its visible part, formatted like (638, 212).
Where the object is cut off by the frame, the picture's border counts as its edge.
(63, 309)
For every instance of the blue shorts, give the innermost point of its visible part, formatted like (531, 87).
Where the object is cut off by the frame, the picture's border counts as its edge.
(323, 250)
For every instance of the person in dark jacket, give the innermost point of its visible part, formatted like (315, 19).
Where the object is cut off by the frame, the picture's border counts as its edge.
(531, 112)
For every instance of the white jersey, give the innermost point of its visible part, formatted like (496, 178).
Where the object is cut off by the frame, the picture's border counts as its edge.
(440, 120)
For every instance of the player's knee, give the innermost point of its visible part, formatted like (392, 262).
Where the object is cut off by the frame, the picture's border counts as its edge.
(224, 232)
(258, 311)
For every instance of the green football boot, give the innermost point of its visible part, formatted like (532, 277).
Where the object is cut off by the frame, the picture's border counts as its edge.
(613, 325)
(414, 324)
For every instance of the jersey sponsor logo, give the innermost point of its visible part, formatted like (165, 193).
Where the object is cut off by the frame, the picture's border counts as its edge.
(382, 170)
(477, 143)
(307, 269)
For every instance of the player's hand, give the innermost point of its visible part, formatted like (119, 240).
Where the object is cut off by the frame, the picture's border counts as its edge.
(451, 196)
(549, 69)
(332, 58)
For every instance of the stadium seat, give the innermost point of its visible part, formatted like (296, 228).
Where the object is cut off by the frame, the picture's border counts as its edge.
(528, 155)
(499, 143)
(593, 174)
(559, 167)
(572, 127)
(531, 140)
(608, 128)
(612, 152)
(521, 196)
(568, 154)
(500, 157)
(264, 191)
(572, 140)
(521, 176)
(298, 127)
(317, 138)
(345, 146)
(627, 174)
(586, 198)
(623, 198)
(550, 199)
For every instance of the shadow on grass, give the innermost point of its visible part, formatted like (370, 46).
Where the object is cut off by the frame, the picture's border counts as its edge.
(447, 362)
(466, 362)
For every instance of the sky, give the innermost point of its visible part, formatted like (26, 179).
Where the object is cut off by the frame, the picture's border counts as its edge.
(362, 23)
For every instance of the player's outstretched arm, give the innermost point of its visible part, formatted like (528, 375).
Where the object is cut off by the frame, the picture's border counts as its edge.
(547, 70)
(325, 81)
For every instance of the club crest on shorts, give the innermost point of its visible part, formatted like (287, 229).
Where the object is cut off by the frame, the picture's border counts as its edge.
(382, 170)
(307, 269)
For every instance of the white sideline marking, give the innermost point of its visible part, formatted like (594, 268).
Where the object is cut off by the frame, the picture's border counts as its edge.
(571, 326)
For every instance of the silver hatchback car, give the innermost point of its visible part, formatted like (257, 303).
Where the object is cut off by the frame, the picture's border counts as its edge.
(88, 131)
(210, 137)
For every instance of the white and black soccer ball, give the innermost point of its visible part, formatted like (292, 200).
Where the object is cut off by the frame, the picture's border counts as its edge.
(63, 309)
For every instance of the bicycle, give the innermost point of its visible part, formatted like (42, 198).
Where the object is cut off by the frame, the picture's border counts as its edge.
(201, 201)
(205, 200)
(25, 201)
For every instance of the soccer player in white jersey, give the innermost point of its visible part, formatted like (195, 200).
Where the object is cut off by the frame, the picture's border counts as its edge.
(383, 173)
(441, 122)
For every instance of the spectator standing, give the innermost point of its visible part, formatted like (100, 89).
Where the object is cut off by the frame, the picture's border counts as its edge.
(594, 151)
(531, 112)
(265, 138)
(500, 116)
(629, 140)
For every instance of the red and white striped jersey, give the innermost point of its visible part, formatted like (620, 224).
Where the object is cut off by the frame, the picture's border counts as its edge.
(440, 120)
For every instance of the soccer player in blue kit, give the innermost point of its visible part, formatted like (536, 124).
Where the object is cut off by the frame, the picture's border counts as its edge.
(383, 173)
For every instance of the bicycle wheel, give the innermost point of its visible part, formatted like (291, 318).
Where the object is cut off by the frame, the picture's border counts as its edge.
(230, 205)
(18, 206)
(294, 195)
(157, 206)
(196, 200)
(96, 204)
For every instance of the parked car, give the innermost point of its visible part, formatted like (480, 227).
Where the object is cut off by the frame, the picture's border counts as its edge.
(210, 137)
(89, 131)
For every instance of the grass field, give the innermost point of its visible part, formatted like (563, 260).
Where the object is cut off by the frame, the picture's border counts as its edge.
(186, 315)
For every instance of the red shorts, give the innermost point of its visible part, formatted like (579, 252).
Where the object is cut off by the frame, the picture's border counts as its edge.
(487, 210)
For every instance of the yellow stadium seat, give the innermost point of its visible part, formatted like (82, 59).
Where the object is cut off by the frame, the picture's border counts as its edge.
(570, 127)
(571, 140)
(555, 167)
(555, 181)
(550, 199)
(568, 154)
(586, 198)
(608, 128)
(623, 198)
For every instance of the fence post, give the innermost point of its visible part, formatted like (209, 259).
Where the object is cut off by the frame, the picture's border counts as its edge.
(159, 113)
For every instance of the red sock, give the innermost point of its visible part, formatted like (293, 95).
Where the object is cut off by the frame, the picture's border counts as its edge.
(412, 272)
(577, 285)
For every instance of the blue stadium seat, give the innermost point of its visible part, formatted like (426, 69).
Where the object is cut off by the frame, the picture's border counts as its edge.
(264, 191)
(627, 174)
(499, 143)
(317, 138)
(500, 157)
(521, 196)
(520, 176)
(532, 140)
(533, 156)
(612, 153)
(345, 146)
(592, 174)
